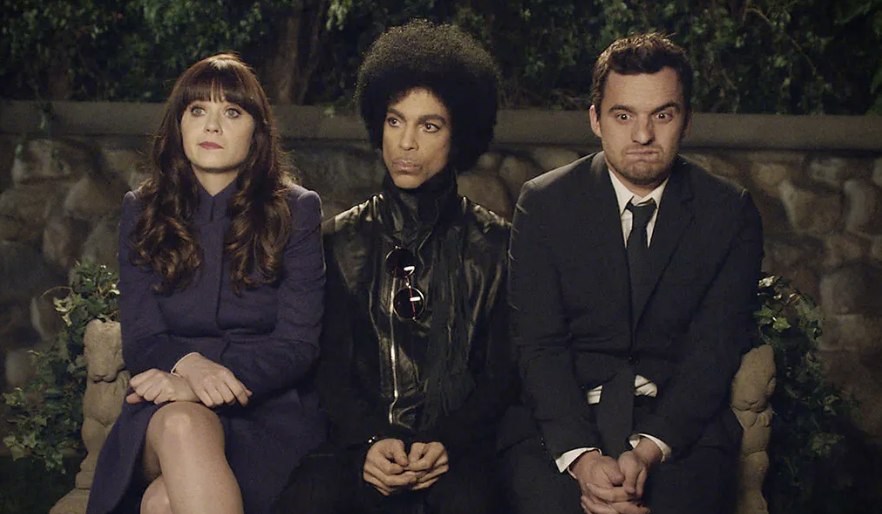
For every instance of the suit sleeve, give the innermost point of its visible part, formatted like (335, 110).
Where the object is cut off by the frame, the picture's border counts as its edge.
(288, 353)
(719, 332)
(541, 334)
(146, 340)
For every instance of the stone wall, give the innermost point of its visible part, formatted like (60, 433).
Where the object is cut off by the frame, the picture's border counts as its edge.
(816, 181)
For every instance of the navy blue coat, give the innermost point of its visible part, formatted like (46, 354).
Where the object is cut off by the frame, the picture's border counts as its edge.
(268, 337)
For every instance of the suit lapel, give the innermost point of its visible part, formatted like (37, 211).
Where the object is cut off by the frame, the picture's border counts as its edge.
(603, 207)
(602, 230)
(674, 215)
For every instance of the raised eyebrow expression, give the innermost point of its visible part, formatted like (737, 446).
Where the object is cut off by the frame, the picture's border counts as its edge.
(436, 120)
(672, 107)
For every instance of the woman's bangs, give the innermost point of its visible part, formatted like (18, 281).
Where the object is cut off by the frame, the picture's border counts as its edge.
(225, 84)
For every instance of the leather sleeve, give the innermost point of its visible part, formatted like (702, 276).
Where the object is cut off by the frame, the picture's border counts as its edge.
(495, 376)
(353, 415)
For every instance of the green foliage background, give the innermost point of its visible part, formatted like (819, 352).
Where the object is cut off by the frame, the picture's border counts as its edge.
(47, 413)
(818, 461)
(760, 56)
(111, 50)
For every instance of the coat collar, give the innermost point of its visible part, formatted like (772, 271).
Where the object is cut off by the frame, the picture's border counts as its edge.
(212, 208)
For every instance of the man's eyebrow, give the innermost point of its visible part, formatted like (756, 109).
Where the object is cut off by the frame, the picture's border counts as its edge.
(621, 107)
(422, 119)
(672, 104)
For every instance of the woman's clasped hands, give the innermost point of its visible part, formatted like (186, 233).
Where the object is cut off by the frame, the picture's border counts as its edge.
(196, 379)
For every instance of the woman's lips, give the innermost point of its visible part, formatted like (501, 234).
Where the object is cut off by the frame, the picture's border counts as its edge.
(208, 145)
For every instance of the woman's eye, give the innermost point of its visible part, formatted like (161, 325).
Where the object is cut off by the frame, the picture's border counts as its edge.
(197, 111)
(392, 122)
(431, 127)
(233, 113)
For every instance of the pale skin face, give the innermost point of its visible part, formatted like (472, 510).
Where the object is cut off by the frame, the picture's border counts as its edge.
(416, 138)
(641, 122)
(217, 138)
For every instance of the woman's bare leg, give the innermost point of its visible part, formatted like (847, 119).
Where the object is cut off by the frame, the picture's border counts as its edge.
(155, 499)
(185, 445)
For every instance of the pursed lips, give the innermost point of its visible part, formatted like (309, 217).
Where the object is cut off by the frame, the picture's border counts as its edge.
(405, 165)
(642, 154)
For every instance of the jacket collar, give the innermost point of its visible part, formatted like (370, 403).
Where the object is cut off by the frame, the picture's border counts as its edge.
(212, 208)
(414, 212)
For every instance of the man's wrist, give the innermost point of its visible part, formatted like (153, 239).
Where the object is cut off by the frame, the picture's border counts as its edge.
(566, 459)
(635, 439)
(583, 460)
(649, 452)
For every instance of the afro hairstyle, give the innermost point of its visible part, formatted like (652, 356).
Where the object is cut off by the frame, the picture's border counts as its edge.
(446, 61)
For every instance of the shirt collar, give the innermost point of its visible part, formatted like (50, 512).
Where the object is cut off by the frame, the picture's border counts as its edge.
(624, 195)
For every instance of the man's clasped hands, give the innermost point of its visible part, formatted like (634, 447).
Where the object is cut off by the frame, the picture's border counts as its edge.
(391, 469)
(615, 486)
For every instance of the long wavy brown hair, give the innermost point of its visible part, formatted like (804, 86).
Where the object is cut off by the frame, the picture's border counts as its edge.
(164, 239)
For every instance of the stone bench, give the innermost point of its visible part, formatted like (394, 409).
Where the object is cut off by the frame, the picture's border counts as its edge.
(108, 381)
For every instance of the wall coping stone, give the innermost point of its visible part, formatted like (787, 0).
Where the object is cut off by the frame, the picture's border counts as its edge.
(515, 127)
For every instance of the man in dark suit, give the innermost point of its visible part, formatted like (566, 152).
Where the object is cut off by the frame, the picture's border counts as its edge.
(633, 276)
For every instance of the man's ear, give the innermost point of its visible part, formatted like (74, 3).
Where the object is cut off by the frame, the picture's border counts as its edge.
(595, 121)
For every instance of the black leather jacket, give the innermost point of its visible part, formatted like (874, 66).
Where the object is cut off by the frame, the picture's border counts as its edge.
(446, 376)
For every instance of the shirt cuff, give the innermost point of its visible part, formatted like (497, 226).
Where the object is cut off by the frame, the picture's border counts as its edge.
(174, 370)
(665, 449)
(567, 458)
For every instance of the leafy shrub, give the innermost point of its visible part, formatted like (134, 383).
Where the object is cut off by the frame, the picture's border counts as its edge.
(763, 56)
(47, 413)
(812, 445)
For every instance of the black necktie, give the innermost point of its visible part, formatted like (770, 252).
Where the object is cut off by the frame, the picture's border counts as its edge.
(616, 409)
(638, 247)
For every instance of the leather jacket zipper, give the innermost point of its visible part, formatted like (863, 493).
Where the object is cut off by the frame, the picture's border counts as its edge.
(393, 354)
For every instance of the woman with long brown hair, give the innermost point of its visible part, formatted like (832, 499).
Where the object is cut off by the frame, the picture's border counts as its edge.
(221, 282)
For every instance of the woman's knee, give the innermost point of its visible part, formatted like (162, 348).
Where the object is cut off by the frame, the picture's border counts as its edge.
(184, 423)
(155, 499)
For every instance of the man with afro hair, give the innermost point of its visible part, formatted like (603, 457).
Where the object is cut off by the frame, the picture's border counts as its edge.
(415, 369)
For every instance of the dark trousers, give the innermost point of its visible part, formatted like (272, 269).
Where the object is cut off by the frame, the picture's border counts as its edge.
(331, 482)
(703, 481)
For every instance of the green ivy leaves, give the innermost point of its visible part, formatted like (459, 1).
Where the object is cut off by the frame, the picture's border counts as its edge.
(47, 413)
(810, 413)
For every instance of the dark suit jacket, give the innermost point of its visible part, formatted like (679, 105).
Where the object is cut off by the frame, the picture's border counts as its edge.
(571, 304)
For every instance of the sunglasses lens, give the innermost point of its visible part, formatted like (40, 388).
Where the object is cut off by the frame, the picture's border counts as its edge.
(400, 263)
(408, 303)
